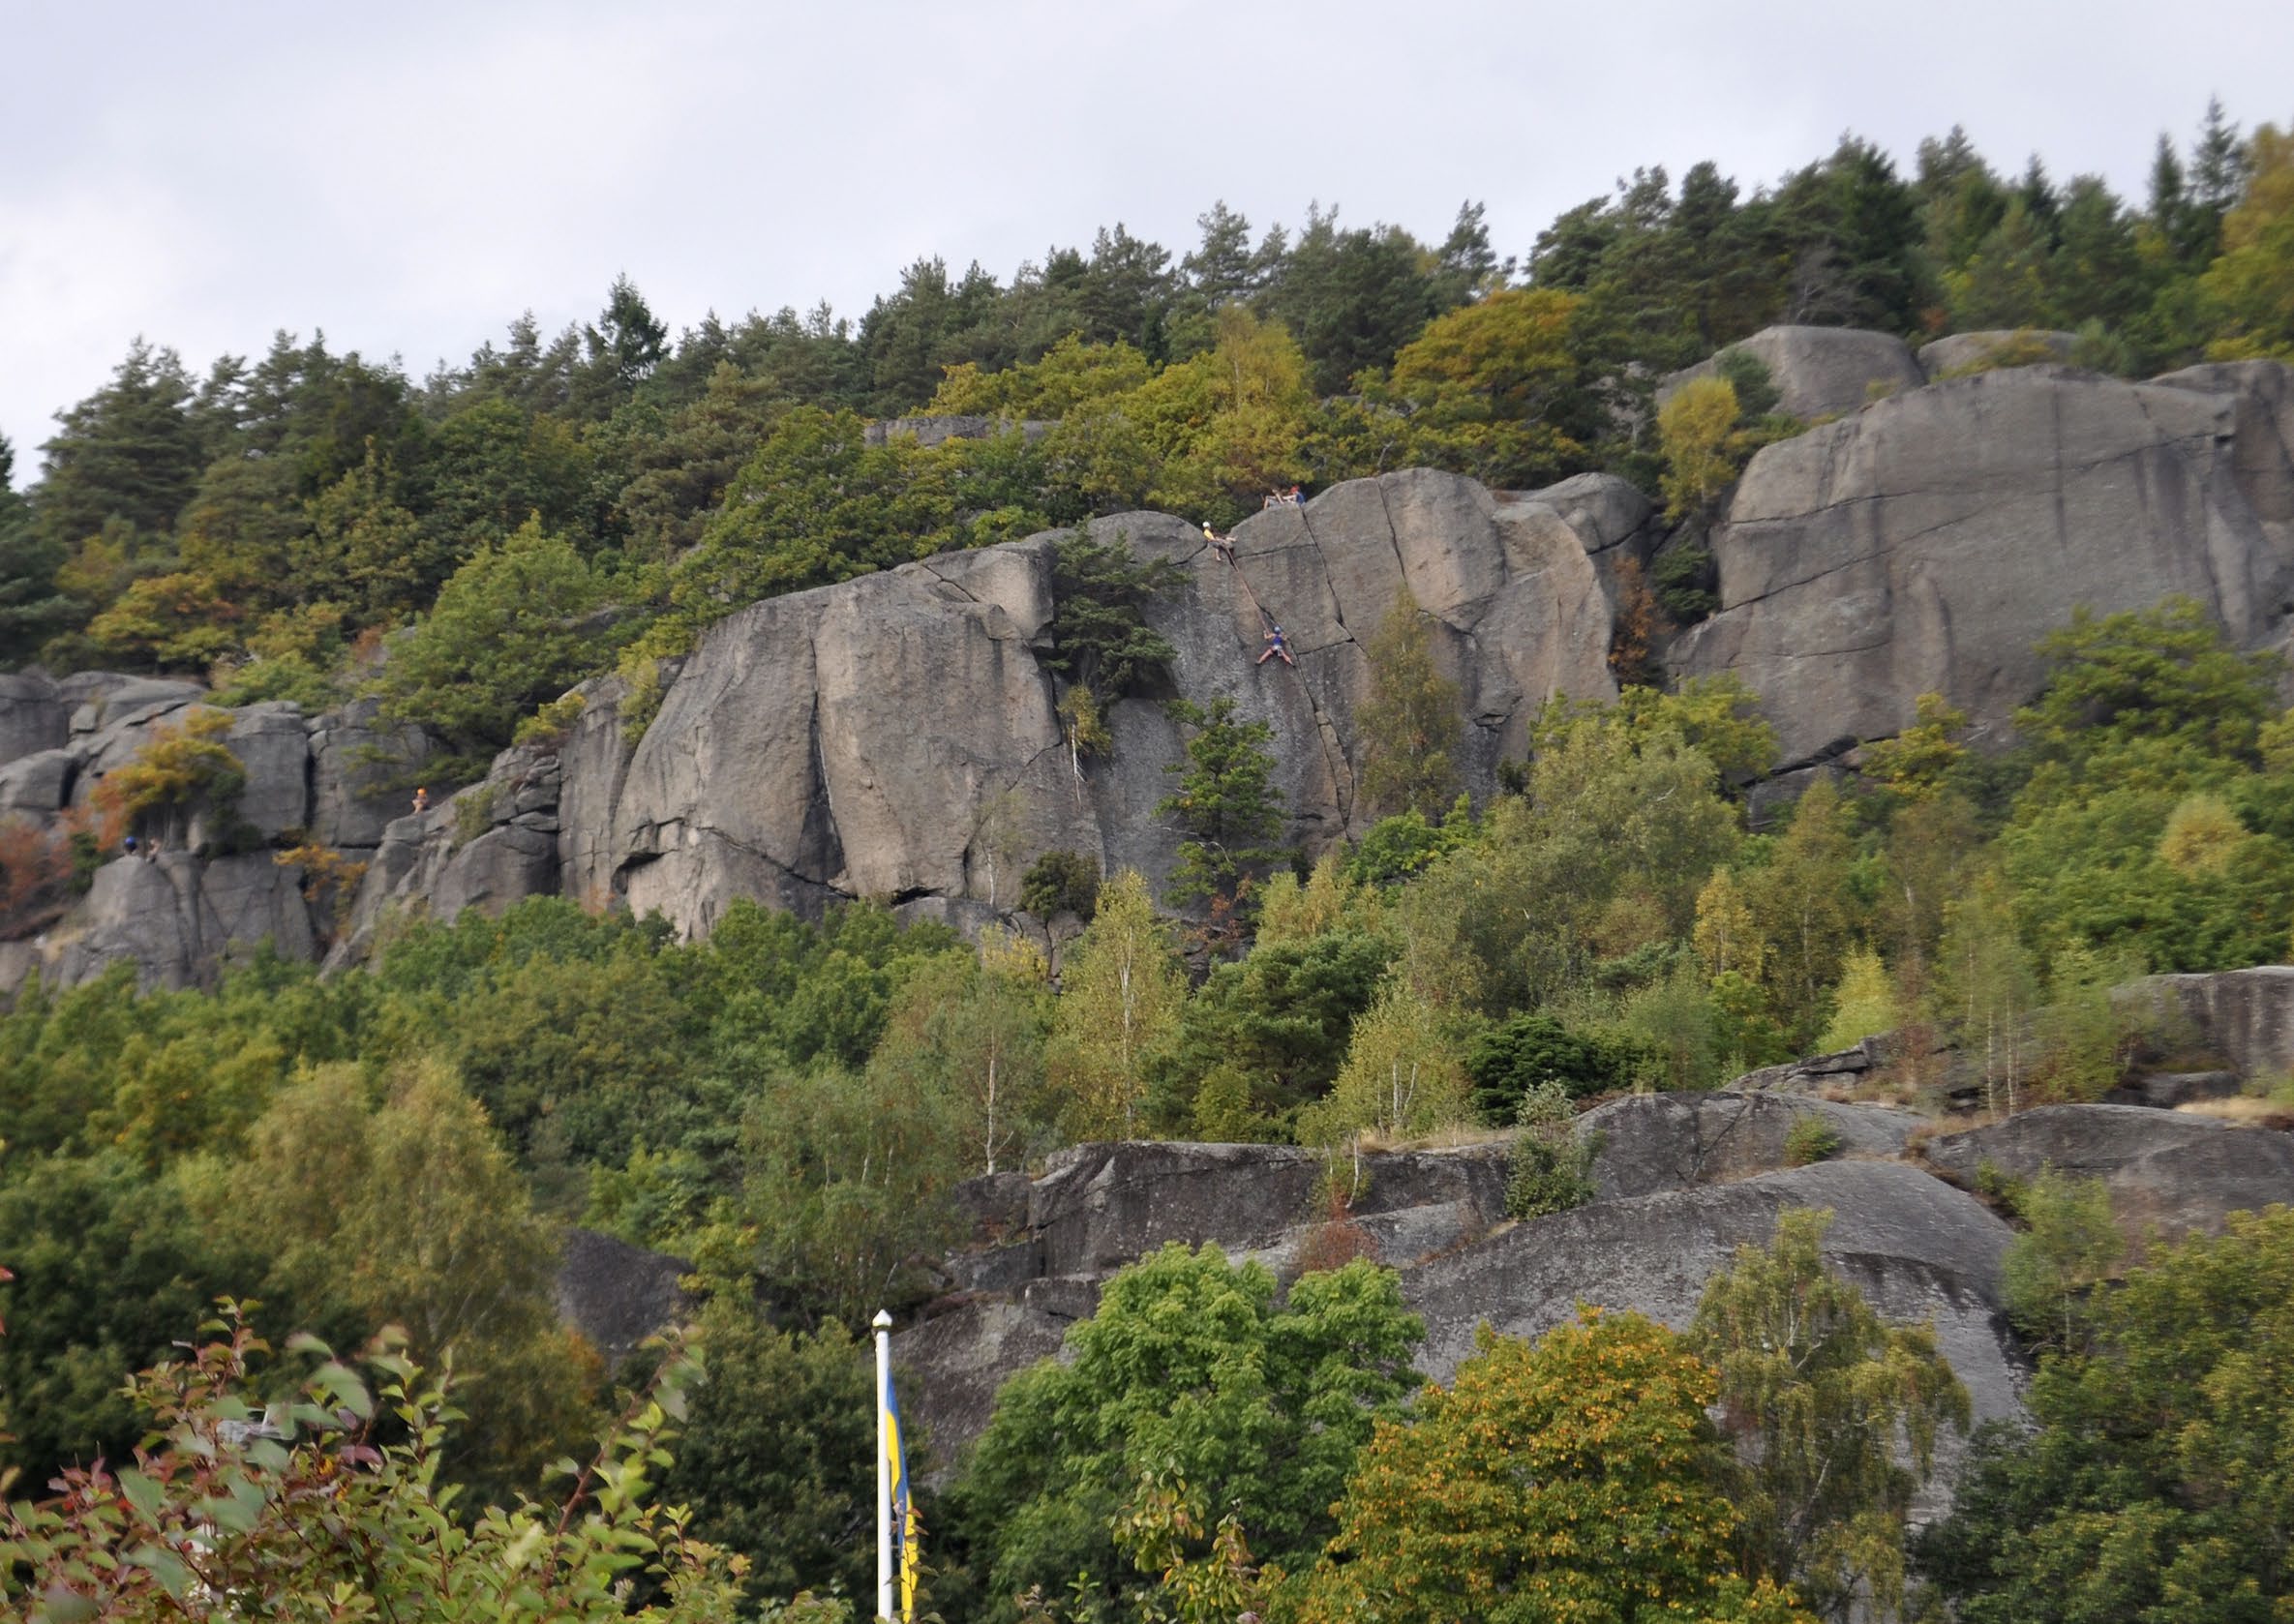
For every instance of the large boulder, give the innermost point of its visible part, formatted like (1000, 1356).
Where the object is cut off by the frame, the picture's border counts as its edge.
(1966, 352)
(850, 741)
(891, 736)
(1930, 541)
(273, 745)
(32, 715)
(616, 1295)
(180, 920)
(2246, 1016)
(489, 847)
(1645, 1143)
(1040, 1250)
(2167, 1170)
(1819, 371)
(2262, 450)
(593, 762)
(35, 788)
(1100, 1206)
(1919, 1250)
(950, 1367)
(108, 701)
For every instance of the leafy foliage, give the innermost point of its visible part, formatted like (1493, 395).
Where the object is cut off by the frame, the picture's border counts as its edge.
(1119, 1007)
(1822, 1398)
(1226, 804)
(1189, 1366)
(1100, 639)
(2156, 1482)
(1575, 1477)
(1411, 722)
(329, 1505)
(1061, 882)
(505, 635)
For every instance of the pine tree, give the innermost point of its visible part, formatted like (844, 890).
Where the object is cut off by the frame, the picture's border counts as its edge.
(30, 606)
(1226, 804)
(130, 451)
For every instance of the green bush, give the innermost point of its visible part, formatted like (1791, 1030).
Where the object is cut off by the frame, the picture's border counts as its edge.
(1685, 583)
(1551, 1167)
(1811, 1140)
(1508, 1060)
(1061, 882)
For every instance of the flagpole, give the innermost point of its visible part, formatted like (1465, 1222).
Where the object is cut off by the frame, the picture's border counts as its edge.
(884, 1466)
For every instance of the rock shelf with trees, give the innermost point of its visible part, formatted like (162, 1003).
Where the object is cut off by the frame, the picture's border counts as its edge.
(1790, 717)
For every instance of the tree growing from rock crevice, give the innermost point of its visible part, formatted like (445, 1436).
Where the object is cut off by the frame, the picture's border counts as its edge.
(1410, 723)
(1226, 804)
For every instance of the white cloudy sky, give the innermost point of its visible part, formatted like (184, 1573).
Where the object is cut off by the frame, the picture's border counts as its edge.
(411, 176)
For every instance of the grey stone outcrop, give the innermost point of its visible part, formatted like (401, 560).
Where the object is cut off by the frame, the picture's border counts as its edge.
(1819, 371)
(1100, 1206)
(1929, 542)
(273, 745)
(2245, 1016)
(1043, 1248)
(36, 787)
(1967, 351)
(32, 715)
(180, 920)
(488, 846)
(2262, 431)
(1646, 1143)
(951, 1366)
(217, 893)
(1921, 1249)
(896, 738)
(616, 1295)
(873, 738)
(2169, 1170)
(111, 701)
(360, 770)
(1917, 1247)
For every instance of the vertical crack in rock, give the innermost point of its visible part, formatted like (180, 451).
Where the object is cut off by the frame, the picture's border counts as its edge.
(819, 813)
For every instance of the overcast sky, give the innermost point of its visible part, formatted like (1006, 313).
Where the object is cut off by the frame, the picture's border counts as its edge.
(410, 177)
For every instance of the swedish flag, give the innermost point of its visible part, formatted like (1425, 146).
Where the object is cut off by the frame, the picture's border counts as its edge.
(907, 1550)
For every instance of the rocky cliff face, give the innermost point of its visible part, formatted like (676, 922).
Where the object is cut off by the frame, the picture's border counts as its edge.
(895, 737)
(1681, 1181)
(1928, 541)
(898, 736)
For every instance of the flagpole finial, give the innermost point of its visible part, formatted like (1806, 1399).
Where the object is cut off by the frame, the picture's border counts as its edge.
(883, 1320)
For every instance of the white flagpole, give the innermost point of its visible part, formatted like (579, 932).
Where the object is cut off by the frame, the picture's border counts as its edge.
(883, 1466)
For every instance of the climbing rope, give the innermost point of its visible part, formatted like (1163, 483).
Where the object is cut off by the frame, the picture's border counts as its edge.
(1270, 630)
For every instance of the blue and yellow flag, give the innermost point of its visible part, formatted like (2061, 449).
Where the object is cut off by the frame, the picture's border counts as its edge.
(907, 1553)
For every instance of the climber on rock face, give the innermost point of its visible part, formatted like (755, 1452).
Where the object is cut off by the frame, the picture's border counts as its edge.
(1276, 646)
(1224, 546)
